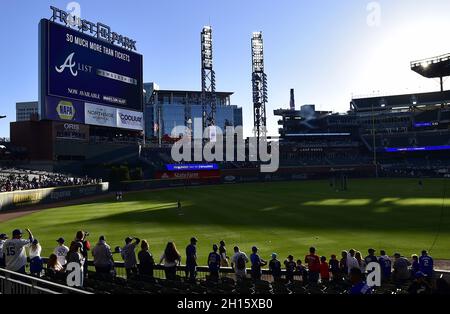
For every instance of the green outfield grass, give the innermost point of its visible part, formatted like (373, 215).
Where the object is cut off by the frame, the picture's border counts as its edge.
(287, 218)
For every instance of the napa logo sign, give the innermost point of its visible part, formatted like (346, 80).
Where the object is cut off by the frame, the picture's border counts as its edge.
(65, 110)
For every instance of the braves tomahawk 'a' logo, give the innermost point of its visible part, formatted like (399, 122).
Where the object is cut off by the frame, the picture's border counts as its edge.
(68, 64)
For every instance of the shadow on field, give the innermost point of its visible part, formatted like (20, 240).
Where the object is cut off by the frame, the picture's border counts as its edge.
(350, 214)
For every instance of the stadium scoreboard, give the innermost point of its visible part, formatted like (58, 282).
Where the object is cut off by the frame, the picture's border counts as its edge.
(88, 79)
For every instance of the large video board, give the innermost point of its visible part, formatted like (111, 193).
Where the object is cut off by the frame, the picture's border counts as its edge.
(78, 71)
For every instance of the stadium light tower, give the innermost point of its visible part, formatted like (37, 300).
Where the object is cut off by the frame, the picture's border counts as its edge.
(259, 83)
(292, 102)
(436, 67)
(208, 79)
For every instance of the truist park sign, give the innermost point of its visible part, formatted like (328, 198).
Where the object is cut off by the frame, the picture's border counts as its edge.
(101, 31)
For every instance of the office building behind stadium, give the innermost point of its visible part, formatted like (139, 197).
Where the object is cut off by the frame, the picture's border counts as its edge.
(26, 111)
(166, 109)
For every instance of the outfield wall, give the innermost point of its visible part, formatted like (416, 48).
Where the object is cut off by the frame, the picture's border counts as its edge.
(168, 179)
(19, 199)
(163, 183)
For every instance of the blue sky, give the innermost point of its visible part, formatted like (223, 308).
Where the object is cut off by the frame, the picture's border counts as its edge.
(326, 50)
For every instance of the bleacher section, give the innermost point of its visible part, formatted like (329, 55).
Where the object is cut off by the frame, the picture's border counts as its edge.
(20, 179)
(226, 285)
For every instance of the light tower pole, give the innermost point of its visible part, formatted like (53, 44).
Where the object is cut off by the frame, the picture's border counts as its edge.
(259, 85)
(374, 144)
(208, 79)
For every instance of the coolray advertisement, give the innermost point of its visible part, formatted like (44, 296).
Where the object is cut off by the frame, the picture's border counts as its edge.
(100, 115)
(79, 67)
(113, 117)
(127, 119)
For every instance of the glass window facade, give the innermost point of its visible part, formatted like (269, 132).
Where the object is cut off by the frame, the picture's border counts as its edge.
(169, 109)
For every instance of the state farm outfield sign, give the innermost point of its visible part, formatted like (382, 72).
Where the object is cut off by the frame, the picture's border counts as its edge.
(113, 117)
(19, 199)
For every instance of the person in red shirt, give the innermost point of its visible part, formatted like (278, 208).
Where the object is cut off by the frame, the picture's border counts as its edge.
(313, 262)
(324, 270)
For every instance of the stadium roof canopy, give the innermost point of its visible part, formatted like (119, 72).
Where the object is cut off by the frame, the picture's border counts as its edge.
(396, 101)
(435, 67)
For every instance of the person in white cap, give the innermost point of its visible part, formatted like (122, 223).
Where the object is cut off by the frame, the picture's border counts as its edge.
(61, 251)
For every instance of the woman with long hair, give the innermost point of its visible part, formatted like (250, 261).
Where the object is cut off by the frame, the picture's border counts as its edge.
(54, 266)
(172, 259)
(361, 262)
(36, 264)
(81, 237)
(146, 262)
(75, 256)
(223, 255)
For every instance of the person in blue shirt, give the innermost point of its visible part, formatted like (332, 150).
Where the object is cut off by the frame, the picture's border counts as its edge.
(334, 268)
(214, 264)
(257, 263)
(359, 287)
(191, 260)
(426, 264)
(386, 266)
(415, 267)
(371, 258)
(275, 267)
(290, 268)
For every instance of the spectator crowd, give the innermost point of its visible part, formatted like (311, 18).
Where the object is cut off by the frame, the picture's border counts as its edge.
(350, 267)
(17, 180)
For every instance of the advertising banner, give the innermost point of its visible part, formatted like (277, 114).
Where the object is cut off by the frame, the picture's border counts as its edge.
(100, 115)
(60, 109)
(84, 68)
(18, 199)
(191, 167)
(132, 120)
(187, 175)
(70, 131)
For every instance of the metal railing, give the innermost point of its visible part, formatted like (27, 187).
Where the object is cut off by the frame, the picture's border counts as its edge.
(202, 272)
(15, 283)
(158, 273)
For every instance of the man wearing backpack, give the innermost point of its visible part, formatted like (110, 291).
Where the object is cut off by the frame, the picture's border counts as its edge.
(238, 262)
